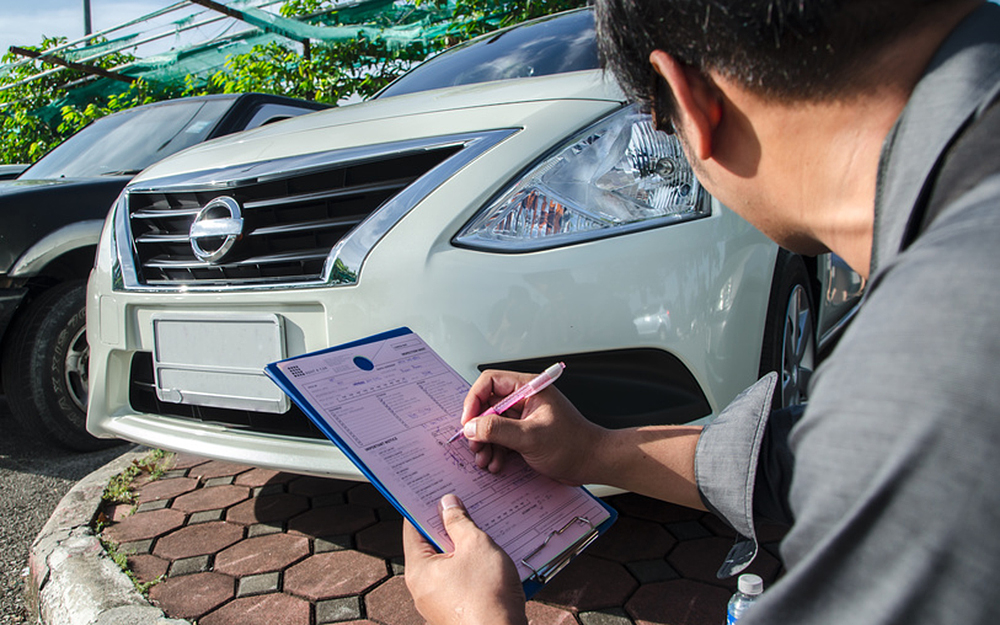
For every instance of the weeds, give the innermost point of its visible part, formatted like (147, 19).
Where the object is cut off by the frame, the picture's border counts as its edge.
(120, 491)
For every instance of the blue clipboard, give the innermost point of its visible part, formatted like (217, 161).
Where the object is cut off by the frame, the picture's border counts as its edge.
(542, 570)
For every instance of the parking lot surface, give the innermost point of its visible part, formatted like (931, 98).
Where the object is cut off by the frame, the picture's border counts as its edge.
(228, 543)
(33, 478)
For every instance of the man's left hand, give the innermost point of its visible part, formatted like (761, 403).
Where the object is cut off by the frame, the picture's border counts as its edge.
(476, 584)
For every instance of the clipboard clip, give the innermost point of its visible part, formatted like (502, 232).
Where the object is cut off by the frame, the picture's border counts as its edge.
(548, 570)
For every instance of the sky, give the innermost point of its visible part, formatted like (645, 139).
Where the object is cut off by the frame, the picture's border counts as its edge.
(24, 22)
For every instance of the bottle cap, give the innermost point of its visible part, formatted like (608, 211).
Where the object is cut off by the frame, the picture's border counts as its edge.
(750, 584)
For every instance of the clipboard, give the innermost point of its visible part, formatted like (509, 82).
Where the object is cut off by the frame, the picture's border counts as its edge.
(389, 402)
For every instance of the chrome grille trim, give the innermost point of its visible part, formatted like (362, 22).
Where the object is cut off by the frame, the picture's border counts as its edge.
(179, 199)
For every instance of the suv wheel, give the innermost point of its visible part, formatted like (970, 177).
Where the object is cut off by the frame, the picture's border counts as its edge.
(789, 332)
(45, 368)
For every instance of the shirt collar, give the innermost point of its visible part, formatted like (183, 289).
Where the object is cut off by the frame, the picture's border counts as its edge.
(963, 72)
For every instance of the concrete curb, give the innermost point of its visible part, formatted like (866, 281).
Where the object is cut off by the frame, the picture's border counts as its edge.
(71, 580)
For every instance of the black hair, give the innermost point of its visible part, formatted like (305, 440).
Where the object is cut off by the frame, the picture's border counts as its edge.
(784, 49)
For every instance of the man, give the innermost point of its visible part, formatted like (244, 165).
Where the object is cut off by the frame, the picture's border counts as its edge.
(869, 128)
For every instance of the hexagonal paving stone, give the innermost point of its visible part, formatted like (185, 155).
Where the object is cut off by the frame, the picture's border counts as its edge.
(116, 513)
(166, 489)
(700, 560)
(213, 498)
(633, 539)
(651, 509)
(367, 495)
(384, 539)
(144, 525)
(333, 520)
(192, 596)
(147, 568)
(717, 526)
(334, 574)
(260, 477)
(185, 461)
(268, 509)
(217, 468)
(272, 609)
(391, 603)
(589, 583)
(313, 486)
(541, 614)
(678, 602)
(262, 554)
(198, 540)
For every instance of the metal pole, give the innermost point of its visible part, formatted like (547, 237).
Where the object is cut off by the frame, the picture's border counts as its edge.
(86, 18)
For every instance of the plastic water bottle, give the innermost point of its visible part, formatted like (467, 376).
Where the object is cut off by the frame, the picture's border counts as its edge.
(748, 591)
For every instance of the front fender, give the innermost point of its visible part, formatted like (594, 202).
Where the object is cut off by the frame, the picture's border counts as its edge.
(55, 244)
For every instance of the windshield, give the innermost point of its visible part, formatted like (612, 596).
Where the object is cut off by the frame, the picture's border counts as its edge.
(553, 45)
(128, 142)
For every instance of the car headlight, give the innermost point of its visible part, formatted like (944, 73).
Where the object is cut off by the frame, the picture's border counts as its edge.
(619, 175)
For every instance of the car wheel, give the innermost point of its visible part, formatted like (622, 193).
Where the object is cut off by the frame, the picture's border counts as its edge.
(789, 332)
(45, 368)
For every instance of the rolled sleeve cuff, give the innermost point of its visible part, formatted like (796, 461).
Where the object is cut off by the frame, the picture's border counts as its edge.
(726, 467)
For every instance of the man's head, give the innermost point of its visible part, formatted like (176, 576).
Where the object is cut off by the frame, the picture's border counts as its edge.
(807, 50)
(782, 106)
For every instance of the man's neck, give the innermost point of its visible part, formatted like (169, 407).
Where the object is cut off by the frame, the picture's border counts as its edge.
(820, 159)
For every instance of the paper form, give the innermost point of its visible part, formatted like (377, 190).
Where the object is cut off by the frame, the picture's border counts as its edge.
(394, 402)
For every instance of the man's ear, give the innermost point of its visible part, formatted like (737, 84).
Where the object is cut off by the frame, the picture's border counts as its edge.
(699, 109)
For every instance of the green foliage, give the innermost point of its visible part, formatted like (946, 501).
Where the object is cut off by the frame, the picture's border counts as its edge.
(74, 117)
(471, 18)
(120, 558)
(38, 115)
(29, 125)
(358, 67)
(119, 489)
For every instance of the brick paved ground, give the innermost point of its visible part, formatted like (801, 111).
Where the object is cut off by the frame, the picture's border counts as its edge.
(235, 544)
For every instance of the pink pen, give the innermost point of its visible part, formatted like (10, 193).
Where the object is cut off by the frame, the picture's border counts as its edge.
(542, 380)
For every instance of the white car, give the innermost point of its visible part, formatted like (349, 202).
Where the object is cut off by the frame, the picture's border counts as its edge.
(502, 200)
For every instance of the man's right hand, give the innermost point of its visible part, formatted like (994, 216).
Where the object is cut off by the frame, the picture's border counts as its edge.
(556, 440)
(546, 430)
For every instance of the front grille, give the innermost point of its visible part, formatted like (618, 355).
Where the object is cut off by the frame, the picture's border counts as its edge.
(142, 398)
(290, 223)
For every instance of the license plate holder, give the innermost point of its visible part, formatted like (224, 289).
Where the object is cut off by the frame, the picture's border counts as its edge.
(217, 360)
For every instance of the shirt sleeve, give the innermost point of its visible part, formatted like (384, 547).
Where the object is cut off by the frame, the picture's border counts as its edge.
(726, 467)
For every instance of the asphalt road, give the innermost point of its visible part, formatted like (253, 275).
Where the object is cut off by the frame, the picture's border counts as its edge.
(33, 478)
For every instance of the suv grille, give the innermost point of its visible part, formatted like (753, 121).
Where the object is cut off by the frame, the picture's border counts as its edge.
(291, 223)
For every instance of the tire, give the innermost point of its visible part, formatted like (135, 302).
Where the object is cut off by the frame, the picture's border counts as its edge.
(789, 345)
(45, 368)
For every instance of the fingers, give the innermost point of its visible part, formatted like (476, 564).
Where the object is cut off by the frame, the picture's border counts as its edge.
(490, 384)
(475, 583)
(496, 430)
(415, 546)
(457, 522)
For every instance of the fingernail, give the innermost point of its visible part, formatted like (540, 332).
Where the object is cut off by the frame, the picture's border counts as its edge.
(450, 501)
(469, 429)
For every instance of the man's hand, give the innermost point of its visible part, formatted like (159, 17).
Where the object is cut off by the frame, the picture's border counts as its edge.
(556, 440)
(476, 584)
(546, 430)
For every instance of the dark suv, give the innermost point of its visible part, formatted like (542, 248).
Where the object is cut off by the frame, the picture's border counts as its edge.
(50, 221)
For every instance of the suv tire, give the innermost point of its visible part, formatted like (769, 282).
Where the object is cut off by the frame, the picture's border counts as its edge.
(45, 368)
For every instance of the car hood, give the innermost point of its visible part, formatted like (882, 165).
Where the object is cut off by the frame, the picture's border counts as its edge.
(24, 187)
(503, 104)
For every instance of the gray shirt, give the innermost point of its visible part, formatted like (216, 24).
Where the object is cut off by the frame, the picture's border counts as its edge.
(891, 476)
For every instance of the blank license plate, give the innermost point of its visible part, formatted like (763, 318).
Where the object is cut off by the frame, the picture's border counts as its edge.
(218, 360)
